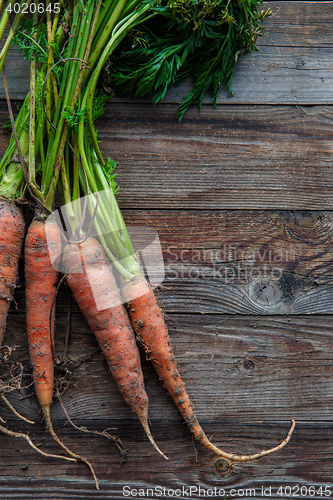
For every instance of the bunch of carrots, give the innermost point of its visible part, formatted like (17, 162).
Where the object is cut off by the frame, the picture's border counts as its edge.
(54, 147)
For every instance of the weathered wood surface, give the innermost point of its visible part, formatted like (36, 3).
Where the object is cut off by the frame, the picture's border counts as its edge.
(247, 376)
(186, 468)
(253, 157)
(266, 157)
(241, 198)
(293, 65)
(237, 368)
(244, 262)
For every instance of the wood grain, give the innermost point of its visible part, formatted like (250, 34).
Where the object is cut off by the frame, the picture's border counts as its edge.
(247, 376)
(236, 157)
(186, 467)
(233, 157)
(263, 361)
(240, 262)
(243, 262)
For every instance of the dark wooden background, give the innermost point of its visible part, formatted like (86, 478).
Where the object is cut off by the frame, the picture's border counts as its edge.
(241, 197)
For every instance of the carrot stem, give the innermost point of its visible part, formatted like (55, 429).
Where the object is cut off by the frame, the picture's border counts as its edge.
(32, 121)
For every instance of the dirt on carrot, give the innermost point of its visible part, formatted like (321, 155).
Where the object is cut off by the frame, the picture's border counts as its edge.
(11, 240)
(41, 282)
(92, 282)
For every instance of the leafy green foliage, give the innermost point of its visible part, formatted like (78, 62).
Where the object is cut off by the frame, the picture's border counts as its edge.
(99, 106)
(7, 125)
(25, 41)
(199, 38)
(108, 170)
(73, 117)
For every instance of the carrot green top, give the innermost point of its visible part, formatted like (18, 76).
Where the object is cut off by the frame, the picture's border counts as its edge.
(153, 44)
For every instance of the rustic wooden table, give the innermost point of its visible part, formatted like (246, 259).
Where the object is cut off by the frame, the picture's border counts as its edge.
(241, 197)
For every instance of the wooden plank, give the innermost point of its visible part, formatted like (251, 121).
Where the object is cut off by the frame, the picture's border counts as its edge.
(242, 368)
(234, 157)
(17, 72)
(298, 24)
(246, 375)
(276, 75)
(305, 462)
(243, 262)
(292, 66)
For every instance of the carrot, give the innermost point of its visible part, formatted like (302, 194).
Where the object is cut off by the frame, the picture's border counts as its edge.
(152, 333)
(11, 239)
(41, 280)
(92, 282)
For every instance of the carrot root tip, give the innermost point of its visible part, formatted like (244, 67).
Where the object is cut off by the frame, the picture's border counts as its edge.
(76, 457)
(4, 430)
(5, 400)
(264, 453)
(144, 423)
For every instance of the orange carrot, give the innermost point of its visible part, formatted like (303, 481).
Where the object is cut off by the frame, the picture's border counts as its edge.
(11, 239)
(41, 280)
(92, 282)
(152, 333)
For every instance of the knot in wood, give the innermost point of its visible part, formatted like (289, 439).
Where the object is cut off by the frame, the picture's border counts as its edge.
(265, 292)
(221, 465)
(248, 364)
(299, 63)
(245, 366)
